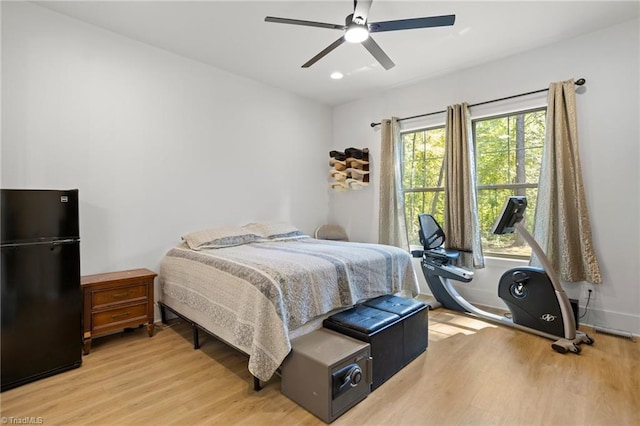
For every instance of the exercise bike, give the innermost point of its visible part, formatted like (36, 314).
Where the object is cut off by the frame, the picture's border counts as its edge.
(534, 296)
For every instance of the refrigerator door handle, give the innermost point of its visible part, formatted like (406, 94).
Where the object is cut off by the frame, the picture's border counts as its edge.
(65, 241)
(42, 243)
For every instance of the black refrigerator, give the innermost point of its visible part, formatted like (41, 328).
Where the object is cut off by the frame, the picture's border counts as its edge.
(41, 315)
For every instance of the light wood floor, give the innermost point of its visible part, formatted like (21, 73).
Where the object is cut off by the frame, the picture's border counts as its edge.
(473, 373)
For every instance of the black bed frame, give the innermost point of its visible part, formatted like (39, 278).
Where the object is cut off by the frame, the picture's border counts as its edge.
(196, 338)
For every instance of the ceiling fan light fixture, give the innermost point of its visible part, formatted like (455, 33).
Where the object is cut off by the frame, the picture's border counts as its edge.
(356, 30)
(356, 33)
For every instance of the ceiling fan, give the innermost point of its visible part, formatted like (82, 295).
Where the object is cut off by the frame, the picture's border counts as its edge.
(357, 30)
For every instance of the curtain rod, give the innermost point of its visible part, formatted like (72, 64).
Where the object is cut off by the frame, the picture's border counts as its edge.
(578, 82)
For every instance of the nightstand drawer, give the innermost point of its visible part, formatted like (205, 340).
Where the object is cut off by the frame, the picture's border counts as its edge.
(116, 316)
(116, 295)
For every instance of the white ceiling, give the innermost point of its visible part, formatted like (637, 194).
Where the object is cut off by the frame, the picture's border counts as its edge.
(232, 35)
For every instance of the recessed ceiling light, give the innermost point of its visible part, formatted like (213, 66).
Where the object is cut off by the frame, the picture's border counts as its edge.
(336, 75)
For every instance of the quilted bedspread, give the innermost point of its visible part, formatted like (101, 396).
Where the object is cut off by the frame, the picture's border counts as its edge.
(259, 292)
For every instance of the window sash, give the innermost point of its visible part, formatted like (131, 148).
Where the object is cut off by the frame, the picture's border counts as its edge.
(479, 187)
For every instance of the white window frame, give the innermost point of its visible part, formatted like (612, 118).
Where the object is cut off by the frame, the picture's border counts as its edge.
(484, 112)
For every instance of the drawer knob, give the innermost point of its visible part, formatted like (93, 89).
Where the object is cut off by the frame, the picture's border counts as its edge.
(120, 295)
(116, 316)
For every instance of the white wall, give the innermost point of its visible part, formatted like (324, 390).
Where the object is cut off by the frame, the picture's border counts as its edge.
(158, 145)
(608, 111)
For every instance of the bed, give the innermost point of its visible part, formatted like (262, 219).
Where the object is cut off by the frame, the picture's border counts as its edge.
(258, 286)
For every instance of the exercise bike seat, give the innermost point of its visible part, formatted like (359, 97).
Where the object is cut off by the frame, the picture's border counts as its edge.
(432, 239)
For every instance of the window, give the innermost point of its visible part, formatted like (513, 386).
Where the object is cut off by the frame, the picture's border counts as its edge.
(508, 156)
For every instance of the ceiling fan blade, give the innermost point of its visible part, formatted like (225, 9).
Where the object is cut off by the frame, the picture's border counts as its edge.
(378, 53)
(322, 54)
(301, 22)
(408, 24)
(361, 11)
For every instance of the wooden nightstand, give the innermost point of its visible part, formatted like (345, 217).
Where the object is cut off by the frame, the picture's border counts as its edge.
(115, 301)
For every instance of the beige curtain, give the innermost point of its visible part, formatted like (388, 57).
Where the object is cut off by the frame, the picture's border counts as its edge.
(562, 227)
(392, 229)
(461, 224)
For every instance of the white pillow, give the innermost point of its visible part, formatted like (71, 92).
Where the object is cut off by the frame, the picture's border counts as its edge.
(275, 230)
(220, 237)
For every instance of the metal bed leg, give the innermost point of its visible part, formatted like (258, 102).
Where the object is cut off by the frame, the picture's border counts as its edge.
(196, 339)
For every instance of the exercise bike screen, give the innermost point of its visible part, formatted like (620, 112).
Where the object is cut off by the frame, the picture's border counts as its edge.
(512, 213)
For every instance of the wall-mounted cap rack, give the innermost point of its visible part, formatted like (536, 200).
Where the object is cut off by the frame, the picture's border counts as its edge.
(349, 169)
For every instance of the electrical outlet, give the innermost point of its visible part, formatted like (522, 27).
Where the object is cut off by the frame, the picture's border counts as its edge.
(588, 292)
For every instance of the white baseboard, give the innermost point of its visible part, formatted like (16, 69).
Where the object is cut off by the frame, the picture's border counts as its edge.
(624, 324)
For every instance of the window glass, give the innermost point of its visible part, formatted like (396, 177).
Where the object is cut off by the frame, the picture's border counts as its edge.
(423, 177)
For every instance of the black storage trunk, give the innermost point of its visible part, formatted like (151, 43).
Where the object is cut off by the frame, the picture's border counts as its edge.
(414, 323)
(395, 338)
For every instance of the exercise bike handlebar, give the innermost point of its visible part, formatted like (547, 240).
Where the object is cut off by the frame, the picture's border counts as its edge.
(443, 269)
(544, 260)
